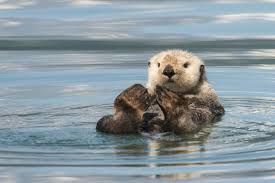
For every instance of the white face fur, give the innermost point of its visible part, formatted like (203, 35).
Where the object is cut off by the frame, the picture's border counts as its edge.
(186, 69)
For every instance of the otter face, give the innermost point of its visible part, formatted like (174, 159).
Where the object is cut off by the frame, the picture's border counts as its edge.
(176, 70)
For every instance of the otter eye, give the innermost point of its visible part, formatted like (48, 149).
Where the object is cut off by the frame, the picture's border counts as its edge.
(149, 64)
(186, 65)
(158, 64)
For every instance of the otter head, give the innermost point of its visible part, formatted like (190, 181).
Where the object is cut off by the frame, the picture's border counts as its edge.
(176, 70)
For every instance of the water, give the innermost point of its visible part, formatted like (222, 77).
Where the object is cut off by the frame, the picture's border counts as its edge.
(54, 89)
(51, 100)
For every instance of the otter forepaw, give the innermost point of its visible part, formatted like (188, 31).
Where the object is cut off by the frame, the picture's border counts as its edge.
(165, 98)
(163, 92)
(104, 123)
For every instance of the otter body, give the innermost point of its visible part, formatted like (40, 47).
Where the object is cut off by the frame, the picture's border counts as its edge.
(178, 98)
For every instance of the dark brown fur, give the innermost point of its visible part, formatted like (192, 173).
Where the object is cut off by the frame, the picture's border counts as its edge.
(136, 110)
(187, 115)
(129, 108)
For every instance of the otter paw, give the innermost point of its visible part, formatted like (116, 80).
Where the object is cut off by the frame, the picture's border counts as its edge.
(104, 124)
(166, 99)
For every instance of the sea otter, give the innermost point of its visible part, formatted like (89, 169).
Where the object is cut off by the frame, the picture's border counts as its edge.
(178, 98)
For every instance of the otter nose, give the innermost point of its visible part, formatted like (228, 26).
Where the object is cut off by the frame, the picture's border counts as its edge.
(168, 71)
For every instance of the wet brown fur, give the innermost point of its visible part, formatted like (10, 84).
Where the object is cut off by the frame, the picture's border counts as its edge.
(128, 115)
(136, 110)
(186, 115)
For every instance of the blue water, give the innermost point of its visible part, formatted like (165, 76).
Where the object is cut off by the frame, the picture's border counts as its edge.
(62, 63)
(50, 102)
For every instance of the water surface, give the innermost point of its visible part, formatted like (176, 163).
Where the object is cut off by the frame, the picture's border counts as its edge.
(50, 102)
(54, 88)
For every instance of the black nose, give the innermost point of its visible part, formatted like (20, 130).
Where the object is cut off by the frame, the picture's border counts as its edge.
(168, 71)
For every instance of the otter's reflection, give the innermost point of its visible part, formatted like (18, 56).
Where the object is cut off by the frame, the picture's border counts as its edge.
(155, 152)
(184, 144)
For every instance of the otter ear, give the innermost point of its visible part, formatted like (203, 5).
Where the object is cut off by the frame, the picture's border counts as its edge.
(202, 71)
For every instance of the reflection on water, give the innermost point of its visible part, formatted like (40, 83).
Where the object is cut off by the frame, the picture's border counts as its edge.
(48, 117)
(54, 88)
